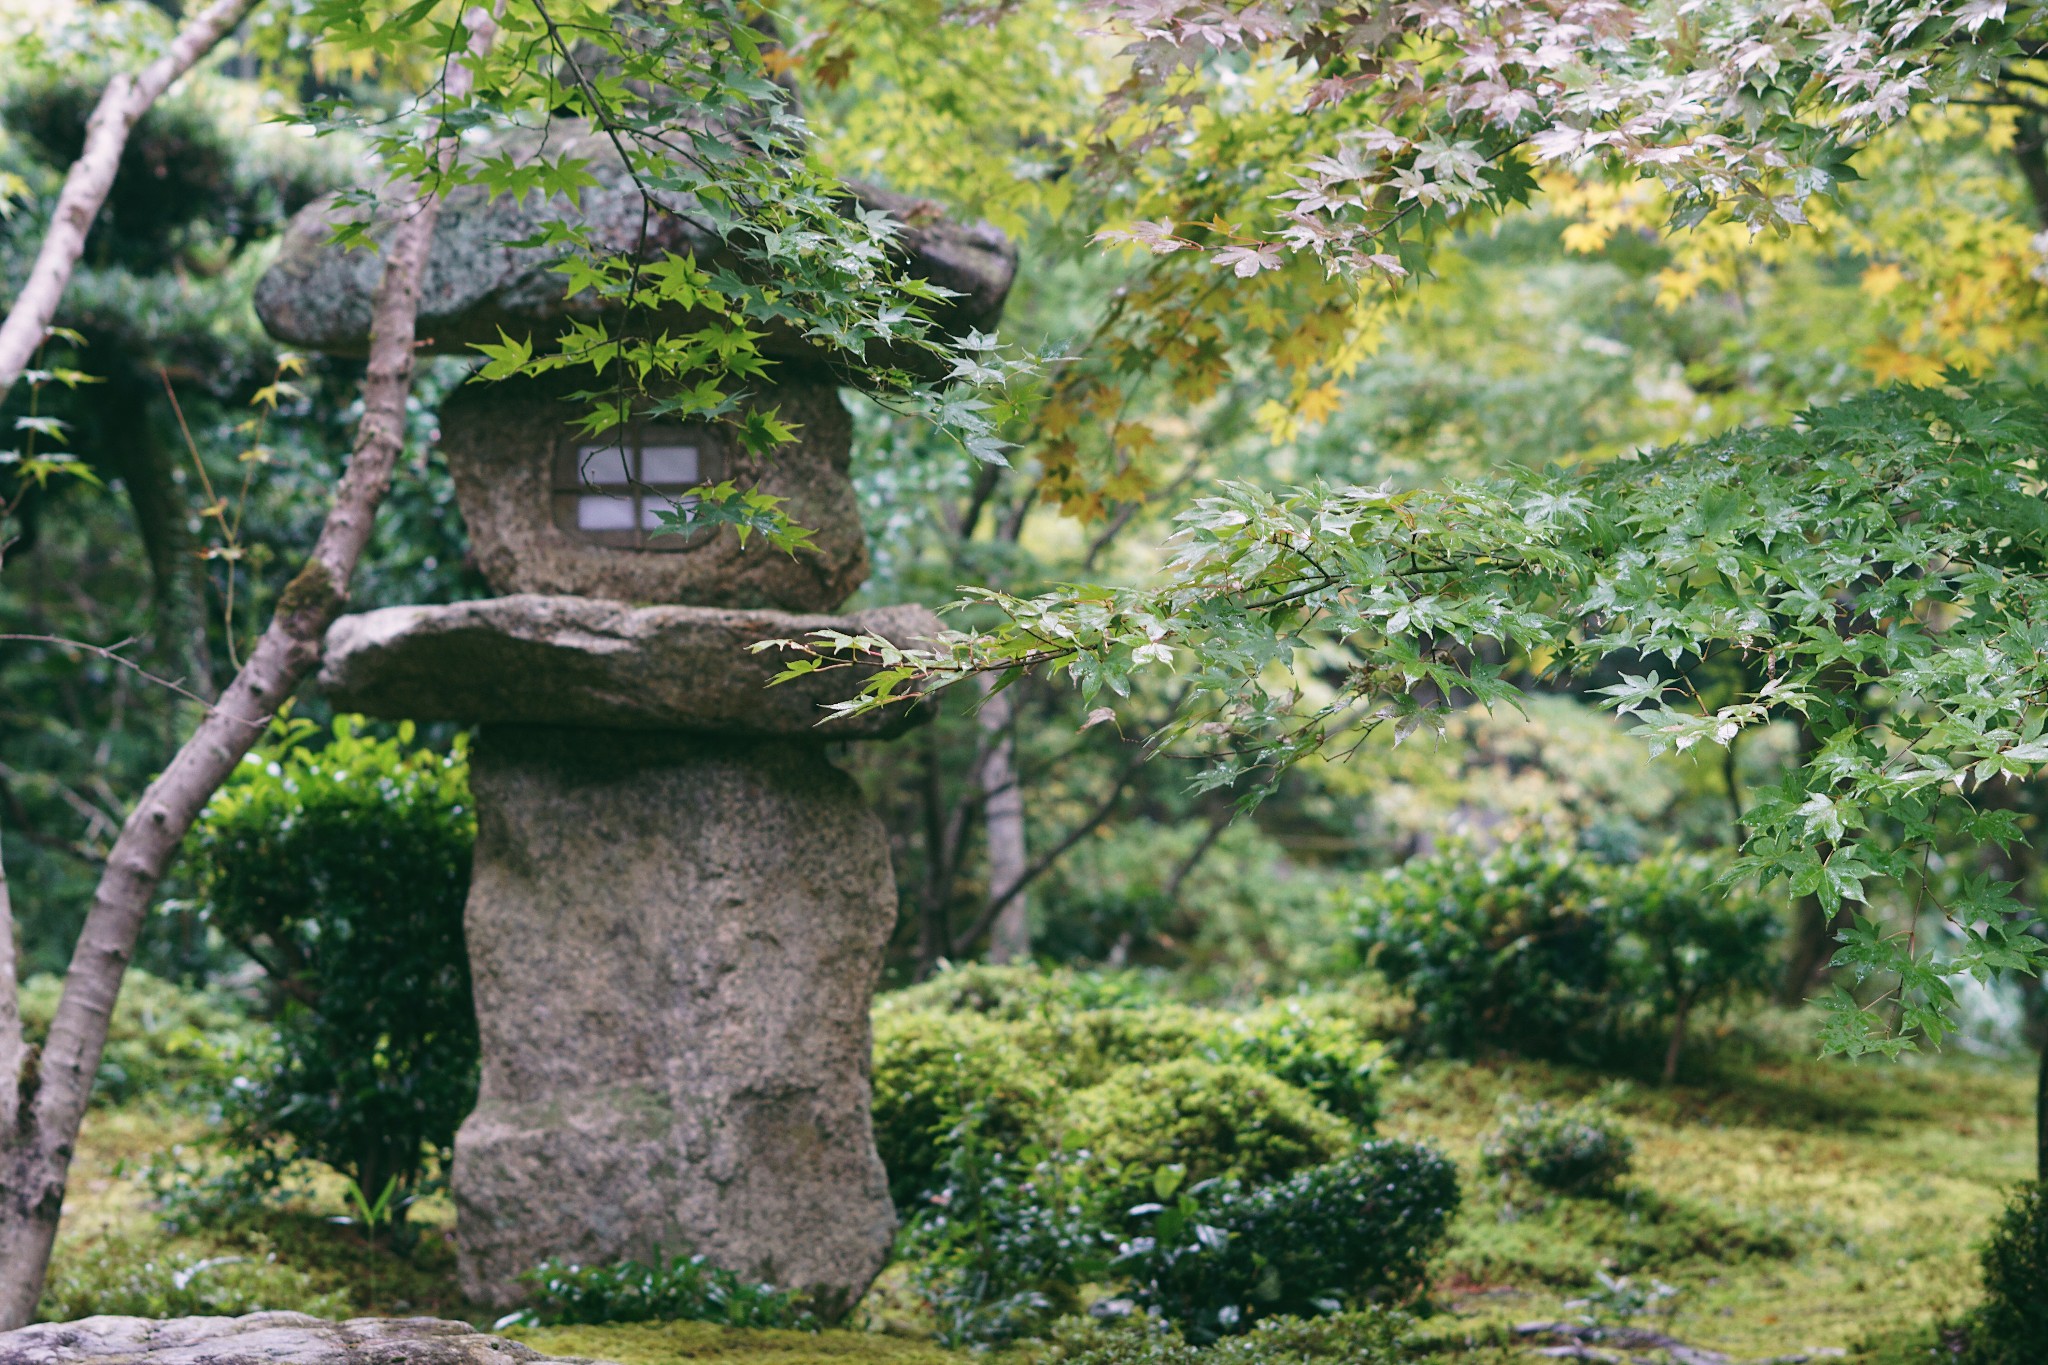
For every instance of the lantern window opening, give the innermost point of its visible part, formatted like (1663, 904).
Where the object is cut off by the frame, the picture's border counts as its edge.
(615, 493)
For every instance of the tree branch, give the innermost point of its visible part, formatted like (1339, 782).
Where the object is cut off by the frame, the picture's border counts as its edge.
(1045, 862)
(125, 100)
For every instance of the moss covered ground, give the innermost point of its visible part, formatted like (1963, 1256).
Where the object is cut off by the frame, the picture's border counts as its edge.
(1797, 1207)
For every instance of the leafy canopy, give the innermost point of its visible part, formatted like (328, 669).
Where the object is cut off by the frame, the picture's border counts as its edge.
(1878, 569)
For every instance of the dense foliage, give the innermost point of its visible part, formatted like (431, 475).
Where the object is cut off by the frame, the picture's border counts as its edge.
(1357, 1229)
(2013, 1321)
(342, 869)
(1231, 1121)
(1537, 948)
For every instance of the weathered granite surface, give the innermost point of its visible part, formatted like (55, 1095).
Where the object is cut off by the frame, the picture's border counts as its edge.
(260, 1339)
(579, 661)
(318, 296)
(502, 439)
(674, 942)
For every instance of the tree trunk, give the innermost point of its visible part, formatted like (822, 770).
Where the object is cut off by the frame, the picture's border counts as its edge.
(35, 1154)
(1677, 1037)
(1003, 813)
(125, 100)
(1812, 933)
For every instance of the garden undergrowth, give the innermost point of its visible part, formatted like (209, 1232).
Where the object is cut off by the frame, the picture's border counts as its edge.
(1793, 1205)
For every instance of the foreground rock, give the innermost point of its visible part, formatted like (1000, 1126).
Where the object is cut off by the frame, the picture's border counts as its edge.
(260, 1339)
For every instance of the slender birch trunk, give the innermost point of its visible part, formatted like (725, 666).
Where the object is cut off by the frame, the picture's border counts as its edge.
(35, 1152)
(125, 100)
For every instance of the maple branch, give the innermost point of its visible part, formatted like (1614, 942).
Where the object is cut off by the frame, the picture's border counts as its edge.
(122, 104)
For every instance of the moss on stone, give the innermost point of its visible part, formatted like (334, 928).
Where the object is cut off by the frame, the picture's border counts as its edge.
(663, 1343)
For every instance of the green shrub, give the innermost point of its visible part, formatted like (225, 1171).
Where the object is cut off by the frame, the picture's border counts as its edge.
(1221, 1256)
(342, 871)
(1020, 992)
(1369, 1337)
(1679, 940)
(1229, 1121)
(1083, 1047)
(1005, 1247)
(1506, 948)
(164, 1039)
(1537, 949)
(2009, 1327)
(930, 1068)
(682, 1288)
(134, 1277)
(1314, 1045)
(1573, 1151)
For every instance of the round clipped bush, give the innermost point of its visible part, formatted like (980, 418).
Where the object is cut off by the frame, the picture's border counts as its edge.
(930, 1069)
(1214, 1120)
(1572, 1151)
(1082, 1048)
(2011, 1325)
(1314, 1046)
(1353, 1231)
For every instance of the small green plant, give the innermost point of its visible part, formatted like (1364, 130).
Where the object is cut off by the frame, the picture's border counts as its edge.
(370, 1215)
(1580, 1150)
(136, 1277)
(1230, 1121)
(2011, 1325)
(679, 1289)
(1219, 1256)
(342, 869)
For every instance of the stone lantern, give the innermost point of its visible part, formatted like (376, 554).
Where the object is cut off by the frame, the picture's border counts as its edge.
(679, 905)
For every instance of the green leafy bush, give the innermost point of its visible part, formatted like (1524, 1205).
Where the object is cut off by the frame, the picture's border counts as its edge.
(1006, 1245)
(1679, 940)
(343, 871)
(1083, 1047)
(680, 1289)
(1506, 948)
(2009, 1327)
(1211, 1120)
(1537, 949)
(930, 1069)
(1371, 1336)
(135, 1277)
(1314, 1045)
(164, 1039)
(1221, 1255)
(1573, 1151)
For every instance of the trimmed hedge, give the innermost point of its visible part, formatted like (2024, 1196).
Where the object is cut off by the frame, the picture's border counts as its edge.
(1213, 1120)
(930, 1069)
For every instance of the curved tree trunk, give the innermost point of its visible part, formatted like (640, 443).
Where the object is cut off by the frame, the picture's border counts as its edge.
(51, 1091)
